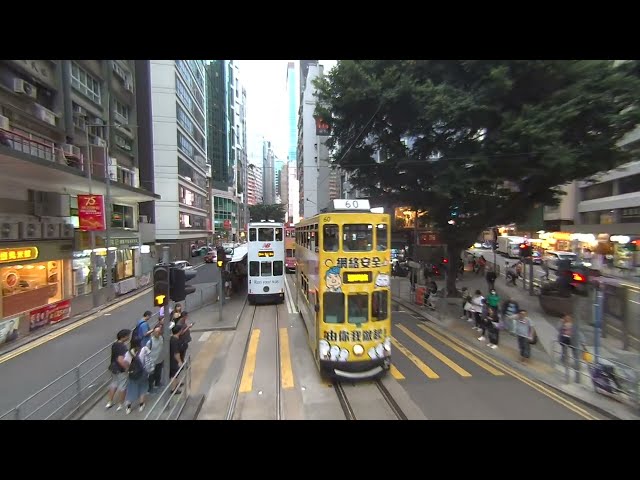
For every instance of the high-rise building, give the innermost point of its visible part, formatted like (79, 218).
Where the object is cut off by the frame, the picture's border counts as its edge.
(278, 165)
(268, 173)
(180, 144)
(70, 128)
(292, 182)
(254, 184)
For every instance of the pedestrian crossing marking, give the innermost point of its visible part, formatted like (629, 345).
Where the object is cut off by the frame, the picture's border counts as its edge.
(464, 353)
(448, 362)
(418, 363)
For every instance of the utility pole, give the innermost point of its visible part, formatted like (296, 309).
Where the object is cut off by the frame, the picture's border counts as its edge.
(166, 331)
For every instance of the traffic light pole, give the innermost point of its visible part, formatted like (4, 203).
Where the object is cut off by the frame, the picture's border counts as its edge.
(531, 276)
(220, 294)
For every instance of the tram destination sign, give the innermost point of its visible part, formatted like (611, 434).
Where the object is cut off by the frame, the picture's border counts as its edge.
(357, 277)
(264, 253)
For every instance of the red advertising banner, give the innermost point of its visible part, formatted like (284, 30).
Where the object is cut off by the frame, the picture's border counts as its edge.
(227, 224)
(428, 238)
(52, 313)
(322, 127)
(91, 212)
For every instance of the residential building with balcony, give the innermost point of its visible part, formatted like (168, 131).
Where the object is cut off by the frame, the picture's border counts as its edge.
(254, 184)
(181, 171)
(70, 128)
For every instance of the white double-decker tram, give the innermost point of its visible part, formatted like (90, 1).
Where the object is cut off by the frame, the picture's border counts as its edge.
(266, 262)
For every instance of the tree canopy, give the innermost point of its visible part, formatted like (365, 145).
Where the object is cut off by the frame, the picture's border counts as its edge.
(267, 212)
(486, 139)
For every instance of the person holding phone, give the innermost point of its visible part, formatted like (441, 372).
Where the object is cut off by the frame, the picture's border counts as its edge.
(185, 333)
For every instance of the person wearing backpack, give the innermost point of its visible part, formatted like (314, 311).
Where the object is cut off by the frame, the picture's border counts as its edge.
(118, 367)
(142, 332)
(140, 365)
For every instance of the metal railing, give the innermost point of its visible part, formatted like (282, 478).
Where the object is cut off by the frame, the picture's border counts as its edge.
(201, 298)
(64, 396)
(171, 401)
(607, 376)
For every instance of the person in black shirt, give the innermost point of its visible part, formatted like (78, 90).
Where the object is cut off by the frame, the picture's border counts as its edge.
(118, 368)
(175, 359)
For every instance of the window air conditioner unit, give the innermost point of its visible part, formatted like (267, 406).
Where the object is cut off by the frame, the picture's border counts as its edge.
(78, 111)
(100, 142)
(128, 85)
(50, 230)
(22, 87)
(4, 123)
(30, 230)
(9, 231)
(71, 150)
(143, 219)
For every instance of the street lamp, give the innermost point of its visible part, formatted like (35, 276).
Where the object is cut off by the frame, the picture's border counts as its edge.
(107, 201)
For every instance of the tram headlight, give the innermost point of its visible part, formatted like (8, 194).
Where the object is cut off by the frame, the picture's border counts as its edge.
(335, 351)
(380, 350)
(344, 355)
(387, 344)
(372, 353)
(358, 350)
(324, 348)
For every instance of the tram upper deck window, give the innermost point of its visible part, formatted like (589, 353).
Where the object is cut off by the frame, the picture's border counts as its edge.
(254, 269)
(278, 234)
(265, 269)
(357, 237)
(330, 238)
(358, 308)
(381, 237)
(252, 234)
(265, 234)
(379, 305)
(333, 307)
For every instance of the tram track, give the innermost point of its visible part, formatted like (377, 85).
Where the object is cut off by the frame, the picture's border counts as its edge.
(233, 401)
(348, 409)
(278, 372)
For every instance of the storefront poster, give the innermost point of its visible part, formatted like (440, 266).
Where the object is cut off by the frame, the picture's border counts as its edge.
(9, 330)
(53, 313)
(91, 212)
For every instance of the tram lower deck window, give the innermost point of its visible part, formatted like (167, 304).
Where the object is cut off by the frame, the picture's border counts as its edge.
(379, 306)
(265, 269)
(358, 308)
(254, 269)
(278, 268)
(333, 307)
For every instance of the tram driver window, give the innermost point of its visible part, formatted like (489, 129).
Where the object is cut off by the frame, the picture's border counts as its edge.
(265, 269)
(265, 234)
(358, 308)
(254, 269)
(330, 238)
(357, 237)
(333, 307)
(379, 306)
(278, 234)
(252, 234)
(381, 237)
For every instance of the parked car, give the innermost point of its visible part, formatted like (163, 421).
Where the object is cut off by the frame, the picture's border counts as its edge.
(210, 257)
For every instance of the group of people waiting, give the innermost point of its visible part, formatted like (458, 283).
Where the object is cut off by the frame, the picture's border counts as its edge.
(137, 358)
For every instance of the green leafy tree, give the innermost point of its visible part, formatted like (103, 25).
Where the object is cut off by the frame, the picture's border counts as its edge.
(477, 143)
(267, 212)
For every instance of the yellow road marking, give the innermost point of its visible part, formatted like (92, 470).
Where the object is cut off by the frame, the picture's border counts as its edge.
(418, 363)
(203, 360)
(395, 373)
(286, 371)
(53, 335)
(462, 352)
(535, 385)
(449, 363)
(250, 363)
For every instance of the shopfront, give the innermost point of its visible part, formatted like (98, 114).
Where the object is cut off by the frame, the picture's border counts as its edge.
(36, 284)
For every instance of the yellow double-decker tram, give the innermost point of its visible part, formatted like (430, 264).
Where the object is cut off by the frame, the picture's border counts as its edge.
(343, 288)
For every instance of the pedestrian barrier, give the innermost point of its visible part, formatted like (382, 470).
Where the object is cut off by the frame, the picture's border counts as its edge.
(170, 403)
(608, 377)
(62, 398)
(201, 298)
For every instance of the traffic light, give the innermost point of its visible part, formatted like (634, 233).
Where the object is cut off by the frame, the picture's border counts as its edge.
(221, 257)
(525, 250)
(179, 279)
(161, 282)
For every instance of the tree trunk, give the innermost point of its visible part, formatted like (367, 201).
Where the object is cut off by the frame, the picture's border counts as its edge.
(453, 252)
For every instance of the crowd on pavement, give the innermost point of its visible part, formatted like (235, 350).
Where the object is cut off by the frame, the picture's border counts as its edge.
(137, 358)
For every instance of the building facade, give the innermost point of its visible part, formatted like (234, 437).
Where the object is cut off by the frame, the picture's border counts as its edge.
(254, 184)
(268, 173)
(180, 144)
(70, 128)
(292, 203)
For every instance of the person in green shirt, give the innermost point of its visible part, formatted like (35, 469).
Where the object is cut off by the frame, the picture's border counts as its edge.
(493, 300)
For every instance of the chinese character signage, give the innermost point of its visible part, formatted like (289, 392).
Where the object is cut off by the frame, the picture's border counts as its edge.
(428, 238)
(18, 254)
(322, 127)
(91, 212)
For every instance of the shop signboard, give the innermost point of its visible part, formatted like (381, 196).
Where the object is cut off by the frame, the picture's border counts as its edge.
(91, 212)
(52, 313)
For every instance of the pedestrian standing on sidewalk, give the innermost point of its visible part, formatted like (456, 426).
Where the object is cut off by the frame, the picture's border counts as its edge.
(466, 303)
(524, 332)
(142, 332)
(156, 345)
(185, 334)
(118, 368)
(138, 358)
(476, 308)
(491, 278)
(175, 359)
(566, 332)
(493, 332)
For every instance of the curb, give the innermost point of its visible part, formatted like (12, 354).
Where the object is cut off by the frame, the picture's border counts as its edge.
(513, 364)
(76, 318)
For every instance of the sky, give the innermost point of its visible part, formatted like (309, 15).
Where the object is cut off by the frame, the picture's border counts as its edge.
(266, 85)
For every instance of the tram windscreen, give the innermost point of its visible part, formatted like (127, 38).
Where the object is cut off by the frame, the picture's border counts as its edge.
(278, 234)
(252, 234)
(357, 237)
(381, 237)
(291, 252)
(333, 307)
(265, 234)
(358, 308)
(330, 238)
(379, 306)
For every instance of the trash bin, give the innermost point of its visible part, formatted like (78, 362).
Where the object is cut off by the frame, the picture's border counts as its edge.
(420, 293)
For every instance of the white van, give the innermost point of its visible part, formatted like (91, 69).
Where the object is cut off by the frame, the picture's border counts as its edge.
(551, 258)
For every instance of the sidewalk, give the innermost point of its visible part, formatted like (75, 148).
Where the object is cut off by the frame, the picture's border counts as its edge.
(540, 366)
